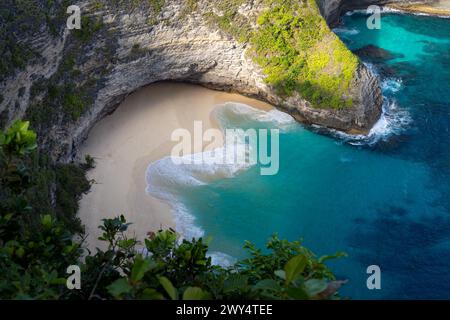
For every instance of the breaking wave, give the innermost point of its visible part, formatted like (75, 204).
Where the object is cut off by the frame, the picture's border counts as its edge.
(394, 120)
(230, 113)
(397, 11)
(167, 177)
(345, 31)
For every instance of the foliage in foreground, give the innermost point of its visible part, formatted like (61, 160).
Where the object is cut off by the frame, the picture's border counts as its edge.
(172, 269)
(37, 245)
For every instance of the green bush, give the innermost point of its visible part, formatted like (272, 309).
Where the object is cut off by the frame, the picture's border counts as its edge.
(73, 104)
(157, 5)
(183, 270)
(89, 26)
(38, 225)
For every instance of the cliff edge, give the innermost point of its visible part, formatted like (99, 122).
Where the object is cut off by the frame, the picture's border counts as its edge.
(65, 81)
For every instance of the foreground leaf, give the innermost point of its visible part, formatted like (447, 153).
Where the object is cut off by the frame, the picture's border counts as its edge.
(168, 286)
(315, 286)
(140, 267)
(195, 293)
(119, 287)
(294, 268)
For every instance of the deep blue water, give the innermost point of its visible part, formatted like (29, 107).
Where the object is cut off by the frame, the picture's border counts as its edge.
(385, 203)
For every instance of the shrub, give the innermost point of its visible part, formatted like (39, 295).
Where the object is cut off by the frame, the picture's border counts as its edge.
(89, 26)
(182, 270)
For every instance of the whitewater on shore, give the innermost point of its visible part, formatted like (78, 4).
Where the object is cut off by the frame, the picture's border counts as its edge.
(167, 178)
(134, 173)
(137, 134)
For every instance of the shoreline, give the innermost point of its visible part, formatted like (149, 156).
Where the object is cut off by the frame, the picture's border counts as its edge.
(124, 143)
(422, 9)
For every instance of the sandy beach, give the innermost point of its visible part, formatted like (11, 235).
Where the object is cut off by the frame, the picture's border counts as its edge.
(440, 8)
(135, 135)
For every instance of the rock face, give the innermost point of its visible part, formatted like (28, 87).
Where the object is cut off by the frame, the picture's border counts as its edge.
(179, 45)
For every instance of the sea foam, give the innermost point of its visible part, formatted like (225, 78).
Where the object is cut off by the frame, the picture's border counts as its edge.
(345, 31)
(221, 259)
(394, 120)
(232, 111)
(397, 11)
(166, 178)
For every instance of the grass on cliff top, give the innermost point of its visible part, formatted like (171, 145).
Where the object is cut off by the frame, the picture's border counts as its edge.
(296, 50)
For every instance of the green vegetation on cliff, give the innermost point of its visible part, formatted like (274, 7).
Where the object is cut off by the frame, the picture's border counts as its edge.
(38, 228)
(69, 92)
(295, 48)
(20, 18)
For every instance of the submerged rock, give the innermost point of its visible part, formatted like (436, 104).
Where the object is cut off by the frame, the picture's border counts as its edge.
(389, 71)
(373, 52)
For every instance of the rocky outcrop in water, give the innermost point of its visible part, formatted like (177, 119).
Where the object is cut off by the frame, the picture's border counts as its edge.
(375, 53)
(75, 79)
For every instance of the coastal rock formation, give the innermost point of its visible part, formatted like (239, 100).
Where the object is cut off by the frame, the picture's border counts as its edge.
(75, 78)
(376, 53)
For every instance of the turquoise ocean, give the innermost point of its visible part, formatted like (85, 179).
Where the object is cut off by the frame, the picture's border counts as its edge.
(383, 199)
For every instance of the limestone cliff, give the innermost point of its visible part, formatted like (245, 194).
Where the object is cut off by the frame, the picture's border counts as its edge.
(74, 78)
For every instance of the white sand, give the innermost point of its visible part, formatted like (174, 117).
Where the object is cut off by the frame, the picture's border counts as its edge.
(444, 4)
(126, 142)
